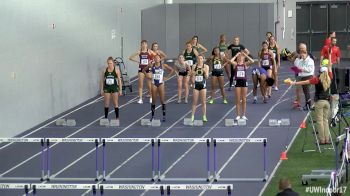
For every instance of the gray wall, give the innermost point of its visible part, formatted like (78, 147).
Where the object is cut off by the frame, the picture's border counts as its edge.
(56, 69)
(208, 21)
(289, 38)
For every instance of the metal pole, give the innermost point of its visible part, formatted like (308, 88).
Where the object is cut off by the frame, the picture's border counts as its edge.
(42, 160)
(48, 159)
(96, 161)
(104, 159)
(265, 160)
(153, 170)
(158, 159)
(215, 174)
(208, 159)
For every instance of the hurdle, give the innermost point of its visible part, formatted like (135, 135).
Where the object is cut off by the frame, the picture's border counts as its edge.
(127, 140)
(207, 141)
(16, 186)
(70, 140)
(240, 140)
(27, 140)
(102, 188)
(36, 187)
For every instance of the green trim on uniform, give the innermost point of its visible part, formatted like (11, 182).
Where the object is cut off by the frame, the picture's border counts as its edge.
(111, 76)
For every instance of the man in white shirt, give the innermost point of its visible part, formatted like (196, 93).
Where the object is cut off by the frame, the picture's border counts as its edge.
(306, 65)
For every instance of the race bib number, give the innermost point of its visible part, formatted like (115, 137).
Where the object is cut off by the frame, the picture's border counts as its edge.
(189, 62)
(274, 55)
(217, 66)
(110, 81)
(157, 76)
(144, 61)
(265, 62)
(241, 74)
(199, 79)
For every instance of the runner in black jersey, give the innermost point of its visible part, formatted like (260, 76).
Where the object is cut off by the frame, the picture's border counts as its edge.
(199, 47)
(223, 52)
(199, 74)
(111, 86)
(182, 70)
(218, 63)
(273, 46)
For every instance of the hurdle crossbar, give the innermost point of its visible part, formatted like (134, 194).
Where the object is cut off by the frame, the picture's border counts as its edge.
(216, 141)
(27, 140)
(206, 141)
(118, 187)
(71, 140)
(127, 140)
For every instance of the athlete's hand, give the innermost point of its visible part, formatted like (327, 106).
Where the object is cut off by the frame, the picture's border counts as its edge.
(120, 93)
(102, 93)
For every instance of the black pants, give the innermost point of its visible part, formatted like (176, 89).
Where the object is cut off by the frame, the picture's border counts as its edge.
(306, 89)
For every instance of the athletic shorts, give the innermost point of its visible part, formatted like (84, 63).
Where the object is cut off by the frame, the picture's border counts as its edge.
(241, 83)
(183, 73)
(267, 68)
(141, 68)
(111, 89)
(199, 86)
(217, 73)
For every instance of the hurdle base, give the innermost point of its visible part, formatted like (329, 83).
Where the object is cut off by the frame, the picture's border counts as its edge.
(131, 179)
(58, 179)
(241, 179)
(22, 179)
(186, 179)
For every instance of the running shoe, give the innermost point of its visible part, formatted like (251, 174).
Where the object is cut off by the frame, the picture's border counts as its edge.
(148, 95)
(186, 101)
(244, 118)
(140, 101)
(255, 100)
(164, 119)
(238, 117)
(150, 100)
(211, 101)
(276, 88)
(192, 118)
(205, 118)
(179, 101)
(225, 101)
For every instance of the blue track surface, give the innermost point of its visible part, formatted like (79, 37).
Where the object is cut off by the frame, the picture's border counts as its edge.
(78, 160)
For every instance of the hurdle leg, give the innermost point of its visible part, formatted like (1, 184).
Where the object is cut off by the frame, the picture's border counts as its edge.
(265, 162)
(215, 173)
(96, 160)
(48, 166)
(168, 191)
(159, 160)
(208, 159)
(153, 170)
(104, 159)
(42, 160)
(161, 190)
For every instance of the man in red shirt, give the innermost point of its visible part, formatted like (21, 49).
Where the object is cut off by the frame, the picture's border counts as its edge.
(331, 49)
(329, 39)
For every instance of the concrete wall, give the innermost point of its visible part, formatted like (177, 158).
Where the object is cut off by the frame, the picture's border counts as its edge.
(289, 38)
(56, 69)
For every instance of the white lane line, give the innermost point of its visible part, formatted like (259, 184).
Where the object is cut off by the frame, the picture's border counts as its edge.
(279, 162)
(195, 144)
(79, 130)
(47, 124)
(250, 134)
(35, 155)
(144, 147)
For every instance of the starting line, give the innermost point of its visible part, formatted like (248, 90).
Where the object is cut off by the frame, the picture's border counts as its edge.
(118, 187)
(46, 160)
